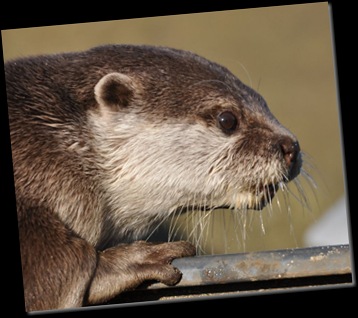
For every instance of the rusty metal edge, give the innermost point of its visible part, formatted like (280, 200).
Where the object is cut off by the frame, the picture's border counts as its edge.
(262, 266)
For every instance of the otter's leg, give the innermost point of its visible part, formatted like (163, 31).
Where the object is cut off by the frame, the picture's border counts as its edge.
(126, 266)
(61, 270)
(57, 266)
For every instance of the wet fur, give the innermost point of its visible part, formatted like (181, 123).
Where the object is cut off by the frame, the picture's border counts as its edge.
(109, 142)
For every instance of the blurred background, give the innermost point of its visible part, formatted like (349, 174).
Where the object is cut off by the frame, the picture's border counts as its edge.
(283, 52)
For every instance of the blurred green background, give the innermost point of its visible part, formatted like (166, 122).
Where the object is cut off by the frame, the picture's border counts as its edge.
(283, 52)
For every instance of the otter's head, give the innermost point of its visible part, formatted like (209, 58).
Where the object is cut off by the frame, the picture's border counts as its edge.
(177, 131)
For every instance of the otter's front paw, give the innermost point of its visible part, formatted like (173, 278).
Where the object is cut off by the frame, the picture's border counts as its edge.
(154, 260)
(126, 266)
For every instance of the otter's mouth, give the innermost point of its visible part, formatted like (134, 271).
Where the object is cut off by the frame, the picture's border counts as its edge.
(257, 198)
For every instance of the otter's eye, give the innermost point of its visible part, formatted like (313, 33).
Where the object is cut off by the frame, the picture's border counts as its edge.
(227, 121)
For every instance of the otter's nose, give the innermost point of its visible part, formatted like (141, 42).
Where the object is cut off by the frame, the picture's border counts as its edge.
(292, 155)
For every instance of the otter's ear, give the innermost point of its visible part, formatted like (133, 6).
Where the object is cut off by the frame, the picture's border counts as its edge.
(114, 90)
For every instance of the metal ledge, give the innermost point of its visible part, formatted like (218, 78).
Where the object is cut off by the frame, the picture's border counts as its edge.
(267, 265)
(250, 272)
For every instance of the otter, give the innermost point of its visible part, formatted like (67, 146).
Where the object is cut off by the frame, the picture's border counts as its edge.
(110, 141)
